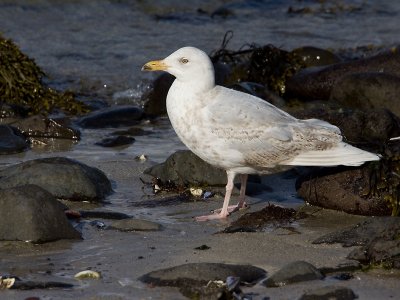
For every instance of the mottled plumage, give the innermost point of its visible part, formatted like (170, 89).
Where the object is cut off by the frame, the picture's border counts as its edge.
(241, 133)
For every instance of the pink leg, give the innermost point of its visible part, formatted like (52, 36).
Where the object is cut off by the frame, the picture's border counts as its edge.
(224, 210)
(242, 195)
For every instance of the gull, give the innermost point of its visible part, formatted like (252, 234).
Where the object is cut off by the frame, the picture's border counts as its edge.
(243, 134)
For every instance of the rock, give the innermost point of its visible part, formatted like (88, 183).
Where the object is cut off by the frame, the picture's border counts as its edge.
(133, 131)
(259, 220)
(109, 215)
(371, 127)
(344, 189)
(368, 91)
(342, 268)
(363, 233)
(63, 177)
(30, 213)
(116, 116)
(329, 292)
(116, 141)
(297, 271)
(185, 168)
(156, 98)
(381, 251)
(314, 57)
(202, 273)
(135, 225)
(30, 285)
(11, 140)
(317, 82)
(38, 126)
(378, 237)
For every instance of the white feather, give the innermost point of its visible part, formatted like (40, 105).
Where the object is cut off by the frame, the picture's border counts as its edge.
(342, 154)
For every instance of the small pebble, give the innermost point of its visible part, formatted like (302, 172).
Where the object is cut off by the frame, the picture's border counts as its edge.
(88, 274)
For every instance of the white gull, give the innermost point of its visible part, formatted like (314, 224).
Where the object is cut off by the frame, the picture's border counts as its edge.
(243, 134)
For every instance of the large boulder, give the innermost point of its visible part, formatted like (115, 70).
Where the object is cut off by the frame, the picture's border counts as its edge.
(30, 213)
(62, 177)
(185, 168)
(317, 82)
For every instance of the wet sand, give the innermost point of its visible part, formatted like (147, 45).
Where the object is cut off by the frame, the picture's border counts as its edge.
(121, 257)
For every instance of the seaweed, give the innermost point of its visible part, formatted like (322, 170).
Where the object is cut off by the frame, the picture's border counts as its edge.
(267, 65)
(21, 84)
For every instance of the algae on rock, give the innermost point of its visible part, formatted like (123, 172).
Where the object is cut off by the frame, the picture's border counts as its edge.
(21, 85)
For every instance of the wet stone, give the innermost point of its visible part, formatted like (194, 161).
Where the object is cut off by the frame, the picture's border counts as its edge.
(117, 116)
(314, 57)
(194, 274)
(30, 285)
(364, 232)
(12, 140)
(116, 141)
(370, 126)
(156, 99)
(257, 221)
(135, 225)
(344, 189)
(30, 213)
(185, 168)
(64, 178)
(380, 251)
(368, 91)
(316, 83)
(329, 292)
(297, 271)
(102, 214)
(38, 126)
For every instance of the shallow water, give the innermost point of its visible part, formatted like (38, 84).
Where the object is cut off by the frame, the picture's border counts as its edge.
(96, 49)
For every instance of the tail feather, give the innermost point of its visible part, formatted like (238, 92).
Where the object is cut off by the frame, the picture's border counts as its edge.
(342, 154)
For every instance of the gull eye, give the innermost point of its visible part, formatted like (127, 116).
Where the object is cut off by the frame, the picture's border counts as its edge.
(184, 60)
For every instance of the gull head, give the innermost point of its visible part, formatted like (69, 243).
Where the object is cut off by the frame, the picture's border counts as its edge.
(187, 64)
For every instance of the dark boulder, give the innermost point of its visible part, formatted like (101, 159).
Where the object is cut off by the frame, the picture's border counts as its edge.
(297, 271)
(344, 189)
(62, 177)
(185, 168)
(317, 82)
(116, 116)
(329, 292)
(202, 273)
(12, 140)
(366, 91)
(30, 213)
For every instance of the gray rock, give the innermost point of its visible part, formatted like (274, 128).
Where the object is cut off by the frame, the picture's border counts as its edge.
(185, 168)
(363, 233)
(117, 141)
(38, 126)
(317, 82)
(381, 251)
(313, 57)
(135, 225)
(126, 115)
(343, 189)
(30, 213)
(297, 271)
(202, 273)
(156, 98)
(370, 126)
(368, 91)
(329, 293)
(11, 140)
(62, 177)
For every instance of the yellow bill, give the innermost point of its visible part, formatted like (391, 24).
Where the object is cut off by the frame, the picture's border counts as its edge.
(155, 65)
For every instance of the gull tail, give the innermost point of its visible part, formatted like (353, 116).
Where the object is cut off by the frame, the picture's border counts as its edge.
(343, 154)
